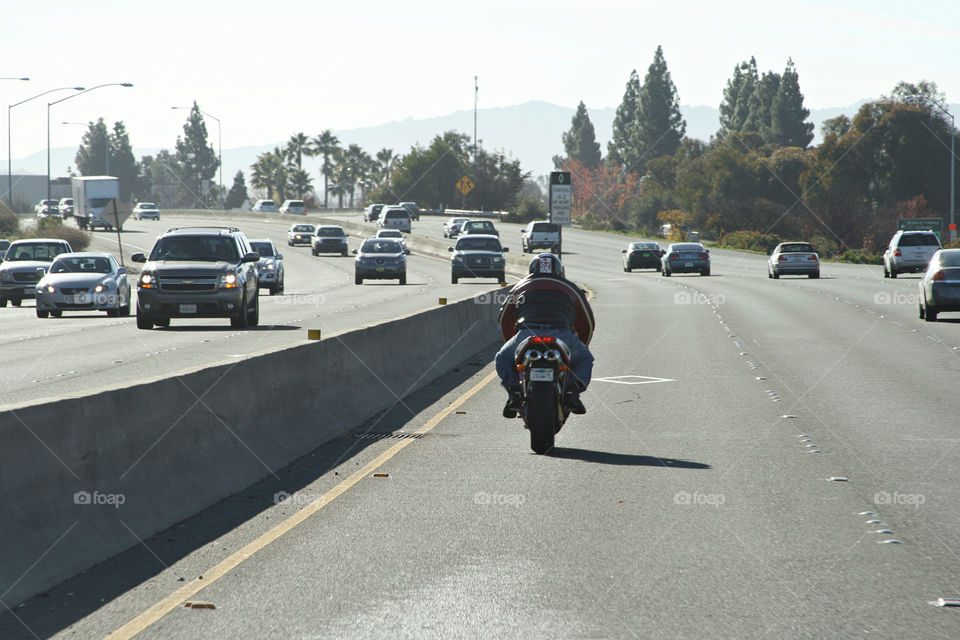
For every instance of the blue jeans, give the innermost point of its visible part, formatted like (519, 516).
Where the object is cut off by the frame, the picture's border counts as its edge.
(581, 360)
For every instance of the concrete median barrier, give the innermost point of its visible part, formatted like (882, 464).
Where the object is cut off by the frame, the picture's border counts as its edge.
(84, 478)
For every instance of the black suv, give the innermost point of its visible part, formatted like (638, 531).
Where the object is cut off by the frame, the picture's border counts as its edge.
(199, 272)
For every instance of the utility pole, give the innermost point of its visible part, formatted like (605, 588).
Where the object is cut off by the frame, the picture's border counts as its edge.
(476, 91)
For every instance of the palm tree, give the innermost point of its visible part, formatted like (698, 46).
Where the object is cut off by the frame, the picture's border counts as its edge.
(385, 160)
(326, 144)
(356, 161)
(299, 182)
(262, 173)
(297, 146)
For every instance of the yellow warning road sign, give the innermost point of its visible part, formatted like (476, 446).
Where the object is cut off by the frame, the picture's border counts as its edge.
(465, 185)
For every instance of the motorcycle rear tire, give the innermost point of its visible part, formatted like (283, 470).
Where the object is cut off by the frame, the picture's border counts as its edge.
(540, 416)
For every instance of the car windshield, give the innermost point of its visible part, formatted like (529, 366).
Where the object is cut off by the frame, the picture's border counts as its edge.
(481, 224)
(295, 203)
(639, 246)
(147, 205)
(389, 234)
(195, 248)
(919, 240)
(267, 203)
(687, 247)
(546, 227)
(302, 228)
(42, 251)
(398, 214)
(381, 246)
(330, 232)
(478, 244)
(265, 249)
(799, 247)
(950, 259)
(81, 265)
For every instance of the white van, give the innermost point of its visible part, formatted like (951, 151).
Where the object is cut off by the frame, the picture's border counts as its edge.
(395, 218)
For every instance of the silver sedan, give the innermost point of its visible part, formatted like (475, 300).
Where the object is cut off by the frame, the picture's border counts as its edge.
(793, 258)
(940, 284)
(685, 257)
(84, 281)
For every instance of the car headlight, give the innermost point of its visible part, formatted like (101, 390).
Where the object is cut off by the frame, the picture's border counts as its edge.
(229, 281)
(48, 288)
(270, 266)
(147, 281)
(498, 258)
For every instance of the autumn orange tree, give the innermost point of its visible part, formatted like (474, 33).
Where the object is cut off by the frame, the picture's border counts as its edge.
(601, 196)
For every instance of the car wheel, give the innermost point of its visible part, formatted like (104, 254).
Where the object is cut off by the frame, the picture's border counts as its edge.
(403, 278)
(143, 322)
(3, 302)
(893, 272)
(666, 274)
(162, 322)
(42, 314)
(627, 269)
(705, 272)
(15, 301)
(241, 320)
(453, 278)
(273, 289)
(501, 277)
(125, 310)
(886, 272)
(313, 251)
(815, 275)
(923, 311)
(930, 314)
(357, 280)
(775, 275)
(254, 317)
(280, 286)
(113, 313)
(343, 254)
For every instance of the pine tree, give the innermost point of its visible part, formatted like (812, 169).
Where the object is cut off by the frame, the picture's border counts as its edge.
(238, 192)
(580, 142)
(788, 125)
(735, 108)
(761, 104)
(122, 163)
(91, 158)
(198, 159)
(619, 148)
(660, 126)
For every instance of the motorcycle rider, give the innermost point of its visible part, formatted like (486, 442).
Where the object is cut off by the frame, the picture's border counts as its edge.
(546, 303)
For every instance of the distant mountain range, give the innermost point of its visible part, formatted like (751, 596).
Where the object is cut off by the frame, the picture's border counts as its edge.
(530, 132)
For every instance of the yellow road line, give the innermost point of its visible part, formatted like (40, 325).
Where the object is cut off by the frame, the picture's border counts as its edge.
(168, 604)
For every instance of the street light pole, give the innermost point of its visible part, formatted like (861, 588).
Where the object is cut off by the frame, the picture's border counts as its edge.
(914, 99)
(50, 104)
(10, 144)
(219, 145)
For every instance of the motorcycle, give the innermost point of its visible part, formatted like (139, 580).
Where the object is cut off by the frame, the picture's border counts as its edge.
(543, 366)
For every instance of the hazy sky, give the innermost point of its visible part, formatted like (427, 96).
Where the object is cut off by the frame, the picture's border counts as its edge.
(271, 68)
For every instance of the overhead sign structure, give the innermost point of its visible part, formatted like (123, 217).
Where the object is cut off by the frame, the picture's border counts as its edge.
(560, 196)
(465, 185)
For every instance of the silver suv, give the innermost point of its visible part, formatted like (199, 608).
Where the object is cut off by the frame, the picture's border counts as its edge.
(199, 272)
(909, 251)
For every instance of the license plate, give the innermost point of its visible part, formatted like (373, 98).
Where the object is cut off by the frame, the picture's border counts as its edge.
(379, 268)
(188, 308)
(645, 254)
(81, 299)
(688, 264)
(541, 375)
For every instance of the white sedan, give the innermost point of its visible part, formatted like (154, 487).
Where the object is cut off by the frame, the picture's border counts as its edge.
(87, 281)
(145, 210)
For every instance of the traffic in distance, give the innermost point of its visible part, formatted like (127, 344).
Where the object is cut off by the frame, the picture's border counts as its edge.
(207, 278)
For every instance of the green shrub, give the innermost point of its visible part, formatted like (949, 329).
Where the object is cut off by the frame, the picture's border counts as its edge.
(53, 228)
(9, 222)
(952, 245)
(825, 247)
(750, 240)
(859, 256)
(529, 208)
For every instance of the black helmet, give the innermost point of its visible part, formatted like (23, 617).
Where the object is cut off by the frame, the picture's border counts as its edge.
(547, 264)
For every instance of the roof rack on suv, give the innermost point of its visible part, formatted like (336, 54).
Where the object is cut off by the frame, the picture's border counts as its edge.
(205, 227)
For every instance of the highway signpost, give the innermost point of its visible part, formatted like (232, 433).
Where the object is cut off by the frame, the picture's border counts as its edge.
(921, 224)
(560, 189)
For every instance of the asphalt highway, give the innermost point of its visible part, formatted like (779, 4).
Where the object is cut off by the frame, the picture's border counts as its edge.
(760, 459)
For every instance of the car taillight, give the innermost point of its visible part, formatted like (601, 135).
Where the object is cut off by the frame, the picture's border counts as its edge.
(702, 256)
(674, 256)
(782, 259)
(813, 258)
(938, 276)
(897, 253)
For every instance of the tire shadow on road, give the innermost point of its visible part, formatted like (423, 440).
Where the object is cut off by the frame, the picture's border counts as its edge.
(624, 459)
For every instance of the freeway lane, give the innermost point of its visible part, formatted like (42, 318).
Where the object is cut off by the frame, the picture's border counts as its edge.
(82, 352)
(687, 508)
